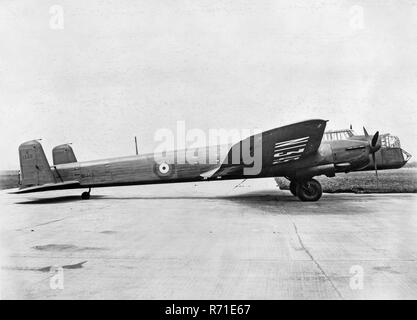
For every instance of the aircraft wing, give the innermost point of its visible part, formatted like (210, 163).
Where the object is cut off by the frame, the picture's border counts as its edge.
(278, 146)
(293, 142)
(222, 171)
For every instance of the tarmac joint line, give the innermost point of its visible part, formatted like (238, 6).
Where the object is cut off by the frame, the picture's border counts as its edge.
(315, 261)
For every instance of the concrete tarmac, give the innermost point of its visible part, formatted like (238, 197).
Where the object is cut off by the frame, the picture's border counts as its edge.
(217, 240)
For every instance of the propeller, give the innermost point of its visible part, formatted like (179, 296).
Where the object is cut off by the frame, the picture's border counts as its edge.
(376, 170)
(374, 147)
(374, 140)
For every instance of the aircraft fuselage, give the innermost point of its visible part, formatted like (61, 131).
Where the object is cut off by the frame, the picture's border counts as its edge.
(331, 157)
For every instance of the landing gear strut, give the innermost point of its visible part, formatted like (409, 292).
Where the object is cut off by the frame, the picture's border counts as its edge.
(306, 190)
(293, 187)
(86, 195)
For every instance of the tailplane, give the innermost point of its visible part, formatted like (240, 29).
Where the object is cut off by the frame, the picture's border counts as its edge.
(34, 167)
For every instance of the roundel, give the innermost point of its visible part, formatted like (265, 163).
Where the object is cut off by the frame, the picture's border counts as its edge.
(163, 169)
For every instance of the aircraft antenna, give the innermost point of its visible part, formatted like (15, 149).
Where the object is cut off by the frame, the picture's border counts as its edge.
(136, 145)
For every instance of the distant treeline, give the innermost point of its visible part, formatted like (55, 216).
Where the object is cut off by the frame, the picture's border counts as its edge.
(402, 180)
(412, 164)
(9, 179)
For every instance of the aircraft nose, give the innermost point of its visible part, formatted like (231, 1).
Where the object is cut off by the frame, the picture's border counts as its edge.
(407, 156)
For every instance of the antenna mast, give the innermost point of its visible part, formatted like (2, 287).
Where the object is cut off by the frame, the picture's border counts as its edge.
(136, 145)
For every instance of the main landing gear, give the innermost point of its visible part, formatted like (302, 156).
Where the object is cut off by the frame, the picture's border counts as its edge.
(306, 190)
(86, 195)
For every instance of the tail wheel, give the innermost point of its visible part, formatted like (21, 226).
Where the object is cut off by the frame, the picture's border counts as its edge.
(309, 190)
(86, 195)
(293, 187)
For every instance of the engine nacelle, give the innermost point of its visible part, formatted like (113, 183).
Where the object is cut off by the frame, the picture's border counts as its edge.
(326, 169)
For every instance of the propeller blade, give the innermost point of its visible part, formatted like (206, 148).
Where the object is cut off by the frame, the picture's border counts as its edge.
(375, 139)
(376, 170)
(365, 132)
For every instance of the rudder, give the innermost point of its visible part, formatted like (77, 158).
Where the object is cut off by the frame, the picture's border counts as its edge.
(63, 154)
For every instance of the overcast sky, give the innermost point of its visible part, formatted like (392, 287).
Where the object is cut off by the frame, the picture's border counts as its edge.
(116, 69)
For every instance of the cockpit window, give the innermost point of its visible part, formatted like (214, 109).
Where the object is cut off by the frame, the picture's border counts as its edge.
(389, 141)
(338, 134)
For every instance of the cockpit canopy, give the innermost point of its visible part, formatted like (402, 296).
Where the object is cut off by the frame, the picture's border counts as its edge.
(387, 140)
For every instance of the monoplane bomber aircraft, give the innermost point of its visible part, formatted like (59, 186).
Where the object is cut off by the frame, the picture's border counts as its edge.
(297, 152)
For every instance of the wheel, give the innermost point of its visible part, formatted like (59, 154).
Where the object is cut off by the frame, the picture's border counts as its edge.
(293, 187)
(309, 190)
(85, 195)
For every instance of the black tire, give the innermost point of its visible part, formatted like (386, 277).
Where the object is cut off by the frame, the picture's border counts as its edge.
(85, 195)
(309, 190)
(293, 187)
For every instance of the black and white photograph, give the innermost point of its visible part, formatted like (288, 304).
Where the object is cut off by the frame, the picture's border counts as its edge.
(225, 151)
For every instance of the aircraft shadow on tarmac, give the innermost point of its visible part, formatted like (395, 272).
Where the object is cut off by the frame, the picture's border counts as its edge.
(254, 198)
(55, 200)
